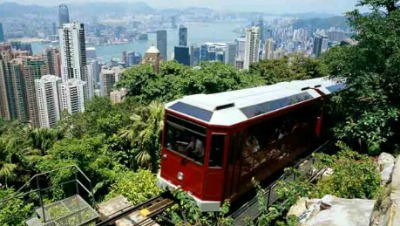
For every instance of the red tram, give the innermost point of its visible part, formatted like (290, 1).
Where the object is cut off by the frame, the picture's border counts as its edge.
(214, 144)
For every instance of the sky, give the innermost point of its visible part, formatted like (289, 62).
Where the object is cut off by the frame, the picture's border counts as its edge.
(269, 6)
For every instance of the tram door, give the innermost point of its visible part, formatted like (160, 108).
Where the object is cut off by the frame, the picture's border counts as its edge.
(215, 171)
(233, 165)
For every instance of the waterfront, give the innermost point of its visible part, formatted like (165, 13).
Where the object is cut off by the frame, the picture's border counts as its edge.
(198, 32)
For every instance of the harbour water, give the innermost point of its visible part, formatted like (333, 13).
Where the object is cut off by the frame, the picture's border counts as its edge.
(198, 32)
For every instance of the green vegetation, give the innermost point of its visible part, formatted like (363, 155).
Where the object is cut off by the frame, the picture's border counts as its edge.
(118, 146)
(353, 175)
(370, 106)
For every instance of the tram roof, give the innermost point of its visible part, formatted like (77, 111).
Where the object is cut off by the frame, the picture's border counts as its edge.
(232, 107)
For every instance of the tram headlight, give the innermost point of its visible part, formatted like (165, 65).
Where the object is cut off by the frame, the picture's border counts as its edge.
(180, 176)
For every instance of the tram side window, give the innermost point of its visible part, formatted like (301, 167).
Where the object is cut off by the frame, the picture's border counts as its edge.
(185, 142)
(217, 150)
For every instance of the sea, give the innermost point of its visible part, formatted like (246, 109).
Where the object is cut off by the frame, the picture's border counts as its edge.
(198, 33)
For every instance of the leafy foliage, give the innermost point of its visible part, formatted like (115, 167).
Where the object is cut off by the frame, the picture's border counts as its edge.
(292, 67)
(137, 186)
(371, 102)
(192, 215)
(175, 80)
(15, 211)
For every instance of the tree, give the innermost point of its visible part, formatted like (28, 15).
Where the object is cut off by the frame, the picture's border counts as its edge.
(292, 67)
(371, 102)
(175, 80)
(145, 135)
(137, 187)
(14, 211)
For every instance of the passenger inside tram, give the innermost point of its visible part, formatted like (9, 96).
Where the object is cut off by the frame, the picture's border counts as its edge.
(195, 148)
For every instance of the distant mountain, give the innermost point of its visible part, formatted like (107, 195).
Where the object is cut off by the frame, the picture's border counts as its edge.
(322, 23)
(10, 9)
(310, 15)
(105, 8)
(89, 9)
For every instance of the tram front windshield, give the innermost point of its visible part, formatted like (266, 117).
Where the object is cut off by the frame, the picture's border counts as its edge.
(185, 138)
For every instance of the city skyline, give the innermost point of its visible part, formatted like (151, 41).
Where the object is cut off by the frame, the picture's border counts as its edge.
(269, 6)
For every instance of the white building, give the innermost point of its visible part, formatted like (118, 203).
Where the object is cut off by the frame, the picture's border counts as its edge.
(251, 51)
(72, 96)
(269, 49)
(47, 100)
(117, 96)
(240, 46)
(73, 53)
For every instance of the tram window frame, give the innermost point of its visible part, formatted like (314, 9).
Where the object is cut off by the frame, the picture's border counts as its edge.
(212, 151)
(198, 132)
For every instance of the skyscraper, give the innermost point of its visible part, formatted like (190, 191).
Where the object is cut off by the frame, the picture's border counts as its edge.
(240, 46)
(2, 36)
(34, 68)
(320, 45)
(181, 54)
(63, 15)
(230, 54)
(162, 43)
(53, 61)
(251, 51)
(107, 78)
(73, 54)
(72, 96)
(5, 55)
(183, 33)
(194, 55)
(13, 93)
(262, 29)
(204, 53)
(269, 49)
(48, 100)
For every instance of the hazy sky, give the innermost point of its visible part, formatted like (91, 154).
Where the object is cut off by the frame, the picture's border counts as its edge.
(270, 6)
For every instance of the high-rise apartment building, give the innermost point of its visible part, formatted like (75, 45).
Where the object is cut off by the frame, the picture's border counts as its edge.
(63, 15)
(107, 78)
(162, 43)
(34, 68)
(13, 92)
(240, 46)
(5, 56)
(73, 52)
(181, 55)
(48, 100)
(2, 35)
(72, 95)
(183, 35)
(251, 51)
(94, 73)
(73, 56)
(53, 61)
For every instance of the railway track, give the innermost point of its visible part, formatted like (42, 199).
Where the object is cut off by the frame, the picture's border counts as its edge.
(142, 214)
(250, 210)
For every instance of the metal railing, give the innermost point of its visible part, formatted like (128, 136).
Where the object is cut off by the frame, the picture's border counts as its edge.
(39, 187)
